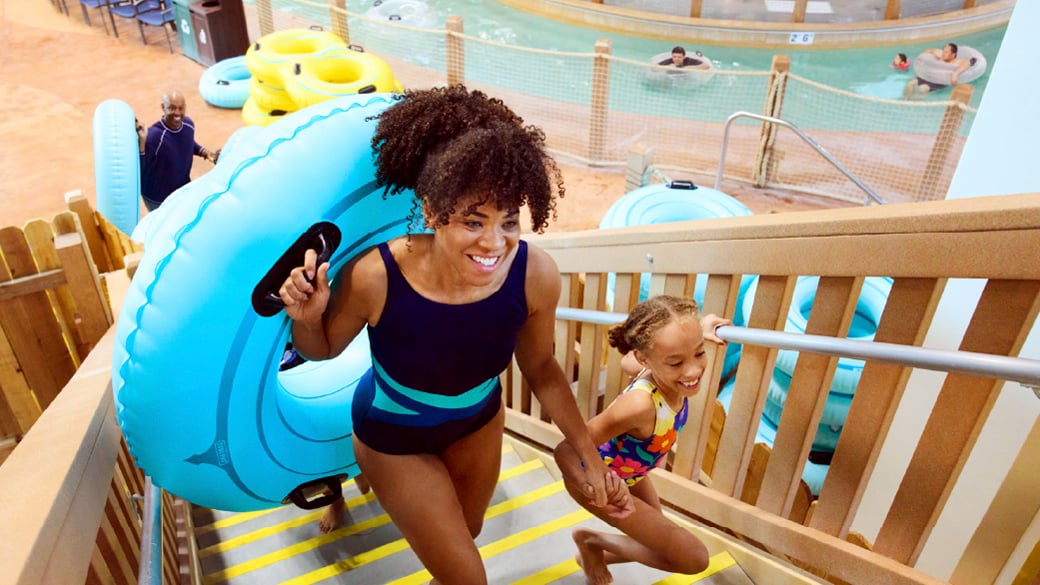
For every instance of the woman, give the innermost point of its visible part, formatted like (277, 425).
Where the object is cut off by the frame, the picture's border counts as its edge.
(446, 310)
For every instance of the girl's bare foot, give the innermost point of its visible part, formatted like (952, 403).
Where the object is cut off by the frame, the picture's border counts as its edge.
(590, 558)
(330, 519)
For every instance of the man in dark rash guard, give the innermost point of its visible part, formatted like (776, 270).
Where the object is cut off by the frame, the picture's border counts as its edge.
(167, 151)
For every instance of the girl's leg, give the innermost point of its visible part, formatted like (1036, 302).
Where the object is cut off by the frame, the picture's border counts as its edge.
(649, 538)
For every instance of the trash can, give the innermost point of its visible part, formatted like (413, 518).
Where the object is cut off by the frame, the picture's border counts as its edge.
(185, 30)
(220, 30)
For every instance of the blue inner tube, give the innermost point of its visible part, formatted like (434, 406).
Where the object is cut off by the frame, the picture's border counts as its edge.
(665, 203)
(671, 202)
(813, 474)
(225, 84)
(198, 393)
(869, 306)
(117, 164)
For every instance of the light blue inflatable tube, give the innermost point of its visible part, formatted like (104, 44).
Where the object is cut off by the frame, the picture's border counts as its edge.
(663, 203)
(117, 164)
(869, 306)
(195, 372)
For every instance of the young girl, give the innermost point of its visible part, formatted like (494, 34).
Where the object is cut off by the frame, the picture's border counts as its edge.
(665, 336)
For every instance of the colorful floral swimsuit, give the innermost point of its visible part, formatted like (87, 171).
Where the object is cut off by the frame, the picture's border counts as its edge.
(632, 458)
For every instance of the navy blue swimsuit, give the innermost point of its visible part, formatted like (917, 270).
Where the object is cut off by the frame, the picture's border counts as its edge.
(435, 366)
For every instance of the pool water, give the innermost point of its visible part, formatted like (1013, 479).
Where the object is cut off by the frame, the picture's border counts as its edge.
(865, 71)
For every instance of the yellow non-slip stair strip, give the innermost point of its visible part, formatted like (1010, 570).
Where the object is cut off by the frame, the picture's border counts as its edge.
(371, 556)
(236, 519)
(500, 546)
(372, 523)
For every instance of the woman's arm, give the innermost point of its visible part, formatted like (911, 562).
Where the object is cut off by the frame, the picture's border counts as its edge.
(326, 320)
(535, 358)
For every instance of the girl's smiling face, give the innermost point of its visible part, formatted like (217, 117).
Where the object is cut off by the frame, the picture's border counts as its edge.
(676, 357)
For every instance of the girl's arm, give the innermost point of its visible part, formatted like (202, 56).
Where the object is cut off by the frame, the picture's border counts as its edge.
(535, 358)
(711, 322)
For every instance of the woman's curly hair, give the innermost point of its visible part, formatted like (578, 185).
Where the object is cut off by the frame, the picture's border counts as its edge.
(637, 331)
(451, 143)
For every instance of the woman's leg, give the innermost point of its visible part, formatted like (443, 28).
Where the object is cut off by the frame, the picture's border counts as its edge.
(474, 463)
(438, 502)
(649, 538)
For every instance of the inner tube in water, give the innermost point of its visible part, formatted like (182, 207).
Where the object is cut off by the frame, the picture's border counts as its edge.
(198, 394)
(697, 69)
(935, 71)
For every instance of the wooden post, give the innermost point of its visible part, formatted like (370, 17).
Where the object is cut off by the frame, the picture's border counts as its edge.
(99, 250)
(798, 13)
(640, 157)
(766, 161)
(969, 4)
(599, 102)
(894, 8)
(949, 128)
(338, 15)
(456, 47)
(263, 11)
(695, 8)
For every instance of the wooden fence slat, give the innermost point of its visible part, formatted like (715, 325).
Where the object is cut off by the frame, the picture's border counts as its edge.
(907, 315)
(1003, 318)
(33, 283)
(93, 312)
(122, 550)
(720, 298)
(771, 303)
(40, 236)
(18, 397)
(31, 325)
(1015, 506)
(833, 308)
(591, 365)
(80, 206)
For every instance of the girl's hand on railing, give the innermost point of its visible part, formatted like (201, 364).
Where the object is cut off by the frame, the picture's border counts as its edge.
(711, 322)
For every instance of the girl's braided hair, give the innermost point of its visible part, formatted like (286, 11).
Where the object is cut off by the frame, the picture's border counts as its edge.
(449, 144)
(637, 331)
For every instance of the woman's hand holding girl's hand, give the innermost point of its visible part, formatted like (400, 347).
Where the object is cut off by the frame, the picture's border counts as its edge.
(619, 501)
(306, 291)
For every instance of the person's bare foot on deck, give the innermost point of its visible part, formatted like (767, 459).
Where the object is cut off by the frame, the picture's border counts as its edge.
(332, 516)
(590, 558)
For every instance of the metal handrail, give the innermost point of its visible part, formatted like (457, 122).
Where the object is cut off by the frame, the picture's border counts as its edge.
(1016, 369)
(805, 137)
(149, 569)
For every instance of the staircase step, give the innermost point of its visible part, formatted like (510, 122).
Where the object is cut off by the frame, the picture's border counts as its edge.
(526, 540)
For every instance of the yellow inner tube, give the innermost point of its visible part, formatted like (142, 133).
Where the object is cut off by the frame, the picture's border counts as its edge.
(266, 57)
(336, 73)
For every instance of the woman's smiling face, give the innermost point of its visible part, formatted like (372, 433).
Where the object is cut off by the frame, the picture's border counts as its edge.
(478, 239)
